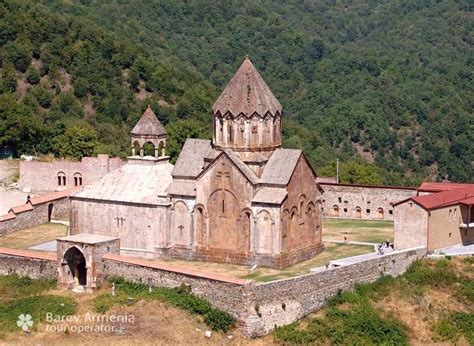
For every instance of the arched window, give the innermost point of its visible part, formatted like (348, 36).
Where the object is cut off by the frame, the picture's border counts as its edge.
(77, 179)
(335, 210)
(230, 135)
(149, 149)
(61, 179)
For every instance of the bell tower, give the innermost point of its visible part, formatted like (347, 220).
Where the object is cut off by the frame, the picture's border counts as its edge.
(149, 131)
(247, 116)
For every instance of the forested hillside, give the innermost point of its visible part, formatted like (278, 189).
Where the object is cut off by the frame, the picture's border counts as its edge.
(386, 86)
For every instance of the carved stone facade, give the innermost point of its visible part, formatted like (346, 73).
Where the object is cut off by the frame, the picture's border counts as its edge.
(240, 198)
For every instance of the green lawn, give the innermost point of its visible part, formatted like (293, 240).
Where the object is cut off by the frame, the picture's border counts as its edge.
(331, 252)
(358, 230)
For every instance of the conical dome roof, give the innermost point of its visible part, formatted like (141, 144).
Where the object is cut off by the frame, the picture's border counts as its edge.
(149, 124)
(247, 93)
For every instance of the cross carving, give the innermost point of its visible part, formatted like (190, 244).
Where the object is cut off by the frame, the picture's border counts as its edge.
(120, 221)
(181, 228)
(224, 172)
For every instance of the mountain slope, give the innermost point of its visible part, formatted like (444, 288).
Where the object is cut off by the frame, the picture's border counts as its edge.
(384, 85)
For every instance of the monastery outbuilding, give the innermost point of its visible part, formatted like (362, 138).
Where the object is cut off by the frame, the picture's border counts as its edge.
(239, 198)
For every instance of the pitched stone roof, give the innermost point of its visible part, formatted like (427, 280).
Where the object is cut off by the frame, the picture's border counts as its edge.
(191, 159)
(182, 187)
(149, 124)
(247, 93)
(280, 166)
(132, 183)
(270, 195)
(246, 170)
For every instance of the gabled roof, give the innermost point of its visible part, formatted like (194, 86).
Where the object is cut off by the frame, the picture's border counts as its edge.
(246, 170)
(270, 195)
(280, 166)
(442, 199)
(149, 125)
(247, 93)
(429, 186)
(191, 158)
(131, 183)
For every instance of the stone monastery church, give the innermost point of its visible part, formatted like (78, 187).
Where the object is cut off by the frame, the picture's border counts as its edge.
(239, 198)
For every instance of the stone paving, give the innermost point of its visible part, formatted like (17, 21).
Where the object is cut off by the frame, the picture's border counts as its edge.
(456, 250)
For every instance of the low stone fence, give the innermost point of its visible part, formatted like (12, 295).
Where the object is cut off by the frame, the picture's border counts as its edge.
(284, 301)
(34, 264)
(225, 293)
(36, 211)
(261, 307)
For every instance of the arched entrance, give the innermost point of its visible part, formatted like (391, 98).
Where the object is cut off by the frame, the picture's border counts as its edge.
(50, 211)
(335, 210)
(358, 212)
(76, 263)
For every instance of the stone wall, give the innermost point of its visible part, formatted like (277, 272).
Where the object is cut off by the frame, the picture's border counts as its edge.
(223, 292)
(362, 201)
(259, 307)
(33, 264)
(285, 301)
(32, 214)
(38, 176)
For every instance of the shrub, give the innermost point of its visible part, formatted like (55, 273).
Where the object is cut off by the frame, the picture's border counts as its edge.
(14, 286)
(219, 320)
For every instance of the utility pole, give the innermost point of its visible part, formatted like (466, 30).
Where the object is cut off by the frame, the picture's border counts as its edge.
(337, 171)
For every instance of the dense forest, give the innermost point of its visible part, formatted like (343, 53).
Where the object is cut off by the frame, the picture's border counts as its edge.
(385, 86)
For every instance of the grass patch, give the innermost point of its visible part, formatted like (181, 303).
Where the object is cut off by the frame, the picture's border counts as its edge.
(128, 293)
(22, 295)
(331, 252)
(25, 238)
(360, 326)
(455, 325)
(337, 223)
(351, 318)
(13, 287)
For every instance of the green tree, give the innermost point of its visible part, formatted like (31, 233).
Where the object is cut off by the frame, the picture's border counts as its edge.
(78, 140)
(32, 75)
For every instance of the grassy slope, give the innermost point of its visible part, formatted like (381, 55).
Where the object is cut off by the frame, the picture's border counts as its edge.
(433, 301)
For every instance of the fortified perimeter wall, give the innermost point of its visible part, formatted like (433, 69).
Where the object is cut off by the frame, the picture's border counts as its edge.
(258, 308)
(346, 201)
(38, 176)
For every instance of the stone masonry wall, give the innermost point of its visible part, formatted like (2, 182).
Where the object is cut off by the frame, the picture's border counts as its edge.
(362, 202)
(38, 176)
(285, 301)
(260, 307)
(38, 215)
(225, 293)
(27, 263)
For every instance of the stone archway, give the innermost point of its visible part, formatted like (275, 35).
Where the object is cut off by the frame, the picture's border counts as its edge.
(76, 266)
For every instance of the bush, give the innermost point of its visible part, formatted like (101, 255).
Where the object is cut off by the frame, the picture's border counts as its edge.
(32, 75)
(219, 320)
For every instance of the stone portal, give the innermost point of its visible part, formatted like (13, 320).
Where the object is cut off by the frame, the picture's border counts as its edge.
(79, 257)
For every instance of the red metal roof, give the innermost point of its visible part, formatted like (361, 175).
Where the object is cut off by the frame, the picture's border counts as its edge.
(21, 208)
(8, 216)
(441, 199)
(429, 186)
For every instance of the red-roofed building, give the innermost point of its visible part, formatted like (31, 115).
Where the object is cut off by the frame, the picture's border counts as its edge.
(428, 187)
(436, 220)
